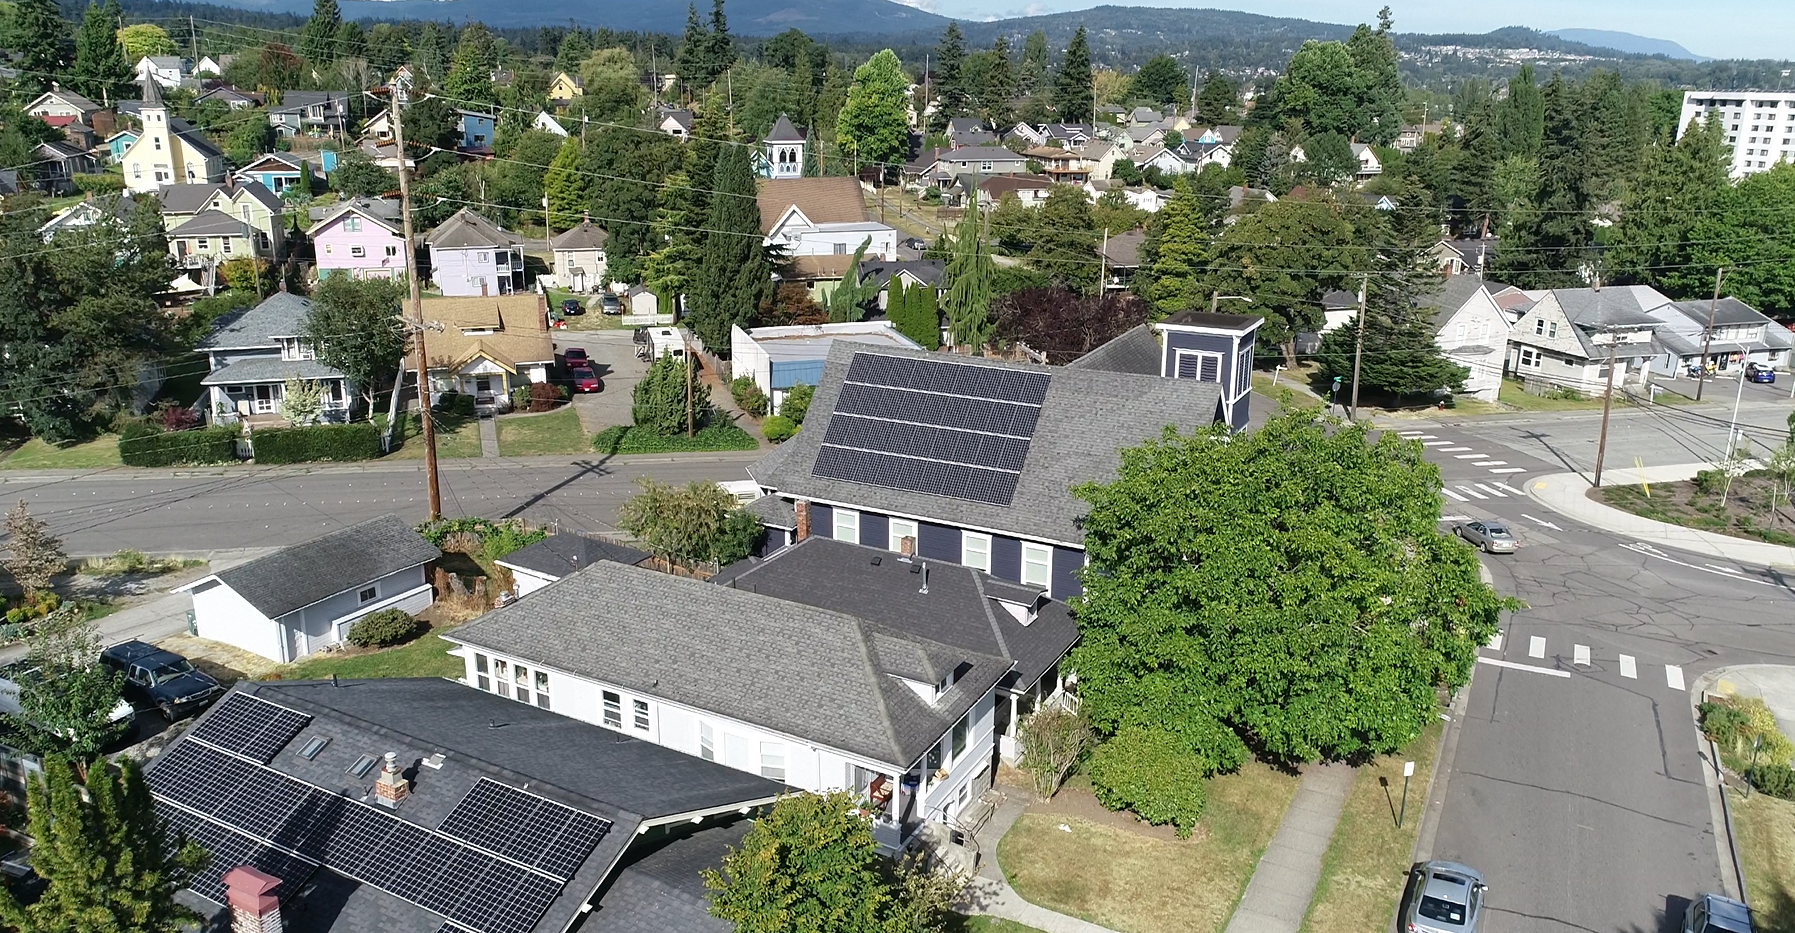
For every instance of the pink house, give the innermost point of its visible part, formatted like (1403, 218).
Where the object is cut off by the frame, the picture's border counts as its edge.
(361, 238)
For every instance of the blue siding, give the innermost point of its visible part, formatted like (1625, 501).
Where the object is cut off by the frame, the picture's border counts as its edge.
(938, 542)
(1184, 340)
(822, 520)
(1006, 558)
(1243, 408)
(875, 529)
(796, 372)
(1064, 581)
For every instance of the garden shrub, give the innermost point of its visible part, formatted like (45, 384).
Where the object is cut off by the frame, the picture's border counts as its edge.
(28, 611)
(384, 629)
(797, 402)
(334, 442)
(1776, 780)
(478, 535)
(778, 428)
(143, 444)
(1155, 773)
(543, 396)
(624, 439)
(748, 396)
(103, 183)
(1722, 722)
(454, 403)
(520, 397)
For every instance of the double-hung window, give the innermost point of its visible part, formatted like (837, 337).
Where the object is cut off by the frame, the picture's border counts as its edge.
(901, 528)
(482, 672)
(772, 760)
(975, 550)
(847, 525)
(1037, 564)
(639, 709)
(707, 742)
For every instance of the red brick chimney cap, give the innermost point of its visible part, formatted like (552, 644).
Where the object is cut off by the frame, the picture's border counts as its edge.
(247, 889)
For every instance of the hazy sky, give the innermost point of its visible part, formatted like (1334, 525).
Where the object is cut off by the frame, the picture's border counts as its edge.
(1719, 28)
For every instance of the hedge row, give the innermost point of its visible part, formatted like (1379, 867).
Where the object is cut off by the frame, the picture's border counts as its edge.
(339, 442)
(625, 439)
(146, 445)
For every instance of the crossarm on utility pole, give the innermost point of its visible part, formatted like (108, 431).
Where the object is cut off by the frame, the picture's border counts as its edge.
(417, 313)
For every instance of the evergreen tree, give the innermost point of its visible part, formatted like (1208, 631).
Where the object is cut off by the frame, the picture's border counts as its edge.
(691, 59)
(576, 46)
(109, 861)
(874, 123)
(1034, 64)
(670, 268)
(469, 82)
(1180, 252)
(735, 274)
(1673, 219)
(846, 302)
(1218, 103)
(1063, 243)
(951, 93)
(351, 41)
(100, 70)
(967, 285)
(318, 40)
(1552, 235)
(658, 401)
(813, 154)
(41, 36)
(1072, 94)
(565, 185)
(719, 45)
(1379, 90)
(1521, 117)
(994, 94)
(1159, 82)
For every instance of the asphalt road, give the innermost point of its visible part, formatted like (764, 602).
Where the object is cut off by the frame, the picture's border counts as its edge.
(1576, 787)
(196, 512)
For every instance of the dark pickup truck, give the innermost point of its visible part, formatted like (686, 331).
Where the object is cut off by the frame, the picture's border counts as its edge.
(161, 680)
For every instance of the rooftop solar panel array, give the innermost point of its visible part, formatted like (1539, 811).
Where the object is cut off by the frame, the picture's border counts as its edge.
(500, 859)
(251, 727)
(931, 426)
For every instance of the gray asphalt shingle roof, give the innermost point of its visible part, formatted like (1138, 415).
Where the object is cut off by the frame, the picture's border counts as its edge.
(466, 229)
(268, 369)
(298, 576)
(1086, 418)
(959, 609)
(281, 314)
(1452, 295)
(210, 223)
(1137, 351)
(810, 673)
(1728, 311)
(562, 554)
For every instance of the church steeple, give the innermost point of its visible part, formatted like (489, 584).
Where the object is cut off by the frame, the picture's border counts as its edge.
(785, 150)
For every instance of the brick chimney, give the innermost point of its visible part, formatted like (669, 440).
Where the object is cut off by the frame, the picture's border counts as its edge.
(802, 508)
(907, 546)
(254, 908)
(391, 787)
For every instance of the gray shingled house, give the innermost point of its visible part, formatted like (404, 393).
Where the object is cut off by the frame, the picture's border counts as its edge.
(419, 806)
(827, 667)
(251, 353)
(303, 599)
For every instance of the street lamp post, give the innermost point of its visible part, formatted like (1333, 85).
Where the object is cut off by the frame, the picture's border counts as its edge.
(1216, 299)
(1732, 427)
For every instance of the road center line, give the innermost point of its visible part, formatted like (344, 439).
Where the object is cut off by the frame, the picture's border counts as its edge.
(1498, 662)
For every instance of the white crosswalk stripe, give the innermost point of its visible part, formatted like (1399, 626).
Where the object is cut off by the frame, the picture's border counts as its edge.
(1452, 450)
(1424, 437)
(1454, 495)
(1509, 470)
(1536, 647)
(1510, 489)
(1493, 492)
(1466, 456)
(1580, 655)
(1491, 463)
(1409, 434)
(1473, 493)
(1673, 675)
(1436, 443)
(1628, 668)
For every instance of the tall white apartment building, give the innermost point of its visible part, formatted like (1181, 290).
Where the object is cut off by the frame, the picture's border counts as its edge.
(1759, 125)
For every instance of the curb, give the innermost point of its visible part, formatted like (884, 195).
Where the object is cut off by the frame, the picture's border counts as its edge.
(1720, 812)
(1434, 798)
(1608, 519)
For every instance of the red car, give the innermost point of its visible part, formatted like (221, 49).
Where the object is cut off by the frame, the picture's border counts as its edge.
(575, 356)
(584, 379)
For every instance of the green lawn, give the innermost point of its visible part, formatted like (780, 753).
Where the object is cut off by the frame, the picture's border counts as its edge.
(456, 437)
(98, 454)
(980, 924)
(1766, 828)
(1134, 882)
(556, 432)
(1366, 864)
(1288, 399)
(591, 320)
(1514, 396)
(425, 657)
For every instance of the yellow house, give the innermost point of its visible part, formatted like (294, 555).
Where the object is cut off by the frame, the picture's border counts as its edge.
(565, 87)
(170, 151)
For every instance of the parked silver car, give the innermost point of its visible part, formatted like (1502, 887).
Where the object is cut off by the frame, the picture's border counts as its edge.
(1491, 537)
(1443, 897)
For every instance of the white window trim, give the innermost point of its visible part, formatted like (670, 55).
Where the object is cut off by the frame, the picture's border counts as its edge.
(898, 530)
(847, 519)
(769, 753)
(967, 554)
(1219, 358)
(1045, 553)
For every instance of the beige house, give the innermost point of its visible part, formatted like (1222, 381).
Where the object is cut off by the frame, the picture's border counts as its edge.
(580, 257)
(488, 346)
(209, 239)
(564, 88)
(248, 202)
(170, 150)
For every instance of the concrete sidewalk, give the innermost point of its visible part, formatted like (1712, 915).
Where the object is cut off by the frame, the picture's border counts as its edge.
(990, 894)
(1566, 493)
(1284, 880)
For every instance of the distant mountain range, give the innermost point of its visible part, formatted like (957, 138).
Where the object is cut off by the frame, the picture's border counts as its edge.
(746, 17)
(1629, 43)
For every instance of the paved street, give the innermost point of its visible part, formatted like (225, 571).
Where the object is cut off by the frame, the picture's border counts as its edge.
(193, 512)
(1577, 786)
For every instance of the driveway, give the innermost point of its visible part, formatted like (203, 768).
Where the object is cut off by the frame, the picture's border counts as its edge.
(614, 360)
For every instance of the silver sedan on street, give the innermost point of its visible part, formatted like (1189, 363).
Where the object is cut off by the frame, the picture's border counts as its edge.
(1490, 537)
(1443, 897)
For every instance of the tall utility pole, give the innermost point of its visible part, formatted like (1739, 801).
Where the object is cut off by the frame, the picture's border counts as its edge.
(417, 312)
(1607, 403)
(1701, 373)
(1358, 347)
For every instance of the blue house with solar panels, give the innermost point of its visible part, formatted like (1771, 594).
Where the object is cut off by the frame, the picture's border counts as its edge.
(419, 805)
(972, 461)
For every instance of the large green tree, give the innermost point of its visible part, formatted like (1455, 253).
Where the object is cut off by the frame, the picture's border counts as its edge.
(1180, 240)
(735, 275)
(100, 70)
(66, 698)
(1287, 591)
(1673, 229)
(1549, 242)
(659, 401)
(469, 81)
(1064, 240)
(699, 523)
(1073, 95)
(565, 185)
(1521, 117)
(810, 864)
(355, 328)
(318, 40)
(110, 862)
(613, 90)
(951, 93)
(1160, 81)
(997, 85)
(1218, 103)
(967, 285)
(41, 36)
(1285, 256)
(874, 124)
(1034, 64)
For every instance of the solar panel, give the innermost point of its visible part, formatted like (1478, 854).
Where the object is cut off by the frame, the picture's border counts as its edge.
(522, 826)
(251, 727)
(267, 812)
(230, 849)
